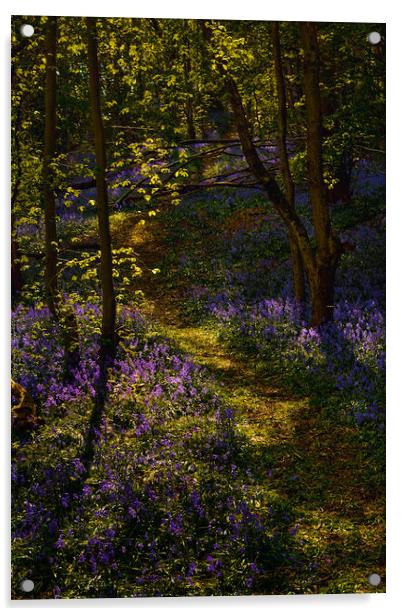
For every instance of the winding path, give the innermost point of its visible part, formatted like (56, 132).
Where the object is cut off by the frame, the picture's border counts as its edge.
(298, 453)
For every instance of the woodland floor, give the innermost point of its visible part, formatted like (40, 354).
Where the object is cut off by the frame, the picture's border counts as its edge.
(298, 453)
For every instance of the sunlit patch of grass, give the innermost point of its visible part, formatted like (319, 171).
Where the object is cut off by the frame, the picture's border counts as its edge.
(341, 536)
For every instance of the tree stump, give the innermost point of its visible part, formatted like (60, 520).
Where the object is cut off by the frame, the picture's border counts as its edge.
(24, 417)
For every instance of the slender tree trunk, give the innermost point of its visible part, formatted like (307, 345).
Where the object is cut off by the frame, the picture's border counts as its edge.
(297, 269)
(65, 315)
(108, 296)
(341, 192)
(16, 275)
(328, 247)
(189, 108)
(257, 117)
(49, 152)
(191, 134)
(321, 219)
(297, 262)
(268, 182)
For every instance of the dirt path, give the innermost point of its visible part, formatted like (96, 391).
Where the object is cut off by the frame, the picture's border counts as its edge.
(298, 454)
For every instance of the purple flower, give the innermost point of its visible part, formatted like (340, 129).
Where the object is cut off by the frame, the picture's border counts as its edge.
(176, 525)
(56, 592)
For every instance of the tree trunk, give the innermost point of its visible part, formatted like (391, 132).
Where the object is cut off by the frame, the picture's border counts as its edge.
(322, 295)
(297, 270)
(24, 416)
(189, 108)
(297, 263)
(342, 192)
(16, 275)
(328, 246)
(65, 315)
(191, 134)
(321, 220)
(108, 297)
(49, 152)
(268, 182)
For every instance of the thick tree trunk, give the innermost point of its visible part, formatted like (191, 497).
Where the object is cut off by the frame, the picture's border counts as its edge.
(108, 296)
(322, 295)
(49, 152)
(328, 246)
(297, 262)
(321, 219)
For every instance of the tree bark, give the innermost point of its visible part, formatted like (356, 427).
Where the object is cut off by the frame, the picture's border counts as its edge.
(321, 220)
(342, 192)
(48, 155)
(16, 274)
(297, 269)
(65, 315)
(268, 182)
(189, 108)
(322, 294)
(191, 134)
(328, 246)
(106, 270)
(297, 262)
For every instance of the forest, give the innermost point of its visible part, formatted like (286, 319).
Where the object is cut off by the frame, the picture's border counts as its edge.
(198, 307)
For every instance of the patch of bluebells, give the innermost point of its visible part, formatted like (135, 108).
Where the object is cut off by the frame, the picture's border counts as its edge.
(36, 338)
(168, 385)
(163, 508)
(346, 357)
